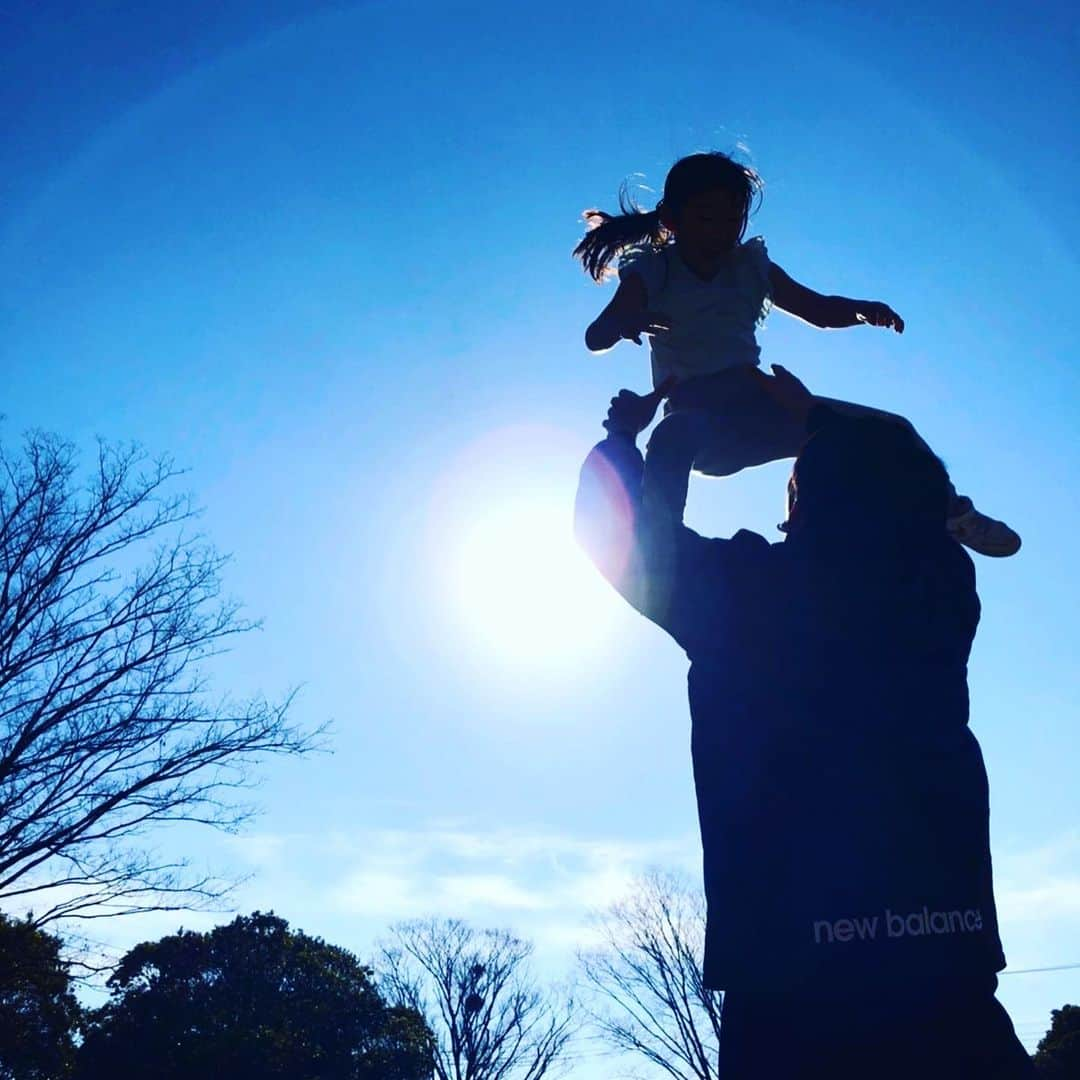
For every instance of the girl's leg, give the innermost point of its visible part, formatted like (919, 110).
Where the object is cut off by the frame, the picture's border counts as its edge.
(752, 428)
(717, 425)
(673, 449)
(745, 426)
(749, 426)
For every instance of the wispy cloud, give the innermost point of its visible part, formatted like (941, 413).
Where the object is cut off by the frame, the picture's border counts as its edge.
(352, 885)
(551, 879)
(541, 884)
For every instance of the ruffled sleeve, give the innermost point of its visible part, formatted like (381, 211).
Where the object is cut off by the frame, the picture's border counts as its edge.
(648, 264)
(755, 277)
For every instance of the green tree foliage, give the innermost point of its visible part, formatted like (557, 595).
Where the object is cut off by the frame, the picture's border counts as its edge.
(252, 999)
(38, 1013)
(1058, 1054)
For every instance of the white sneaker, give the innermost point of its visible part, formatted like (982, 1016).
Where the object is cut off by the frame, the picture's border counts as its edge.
(983, 534)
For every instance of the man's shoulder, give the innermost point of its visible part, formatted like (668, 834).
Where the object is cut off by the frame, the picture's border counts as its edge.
(744, 551)
(748, 543)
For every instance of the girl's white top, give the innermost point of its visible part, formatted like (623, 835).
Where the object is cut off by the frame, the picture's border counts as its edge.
(712, 322)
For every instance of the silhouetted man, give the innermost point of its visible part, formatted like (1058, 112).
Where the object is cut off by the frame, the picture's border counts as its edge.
(842, 798)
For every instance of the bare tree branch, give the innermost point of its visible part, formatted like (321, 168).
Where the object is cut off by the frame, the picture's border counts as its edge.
(647, 993)
(474, 989)
(109, 609)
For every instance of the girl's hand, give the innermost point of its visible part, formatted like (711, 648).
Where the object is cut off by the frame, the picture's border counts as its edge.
(633, 324)
(625, 317)
(875, 313)
(632, 413)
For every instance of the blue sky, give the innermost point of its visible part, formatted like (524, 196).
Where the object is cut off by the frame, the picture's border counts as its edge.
(319, 254)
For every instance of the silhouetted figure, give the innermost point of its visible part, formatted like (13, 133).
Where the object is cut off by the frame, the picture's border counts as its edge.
(842, 798)
(689, 281)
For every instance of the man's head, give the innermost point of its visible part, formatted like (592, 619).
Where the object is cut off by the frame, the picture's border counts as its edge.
(860, 475)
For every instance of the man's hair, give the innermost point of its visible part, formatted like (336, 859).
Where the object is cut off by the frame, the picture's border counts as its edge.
(861, 472)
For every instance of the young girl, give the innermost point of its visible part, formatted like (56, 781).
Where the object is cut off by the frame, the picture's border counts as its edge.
(689, 281)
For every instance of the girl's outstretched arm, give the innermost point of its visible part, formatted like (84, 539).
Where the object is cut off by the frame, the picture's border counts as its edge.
(624, 317)
(828, 312)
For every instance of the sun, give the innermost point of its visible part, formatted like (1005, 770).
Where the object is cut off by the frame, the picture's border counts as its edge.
(522, 607)
(524, 592)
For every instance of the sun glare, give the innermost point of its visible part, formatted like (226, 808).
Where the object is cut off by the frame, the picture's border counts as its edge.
(521, 603)
(523, 589)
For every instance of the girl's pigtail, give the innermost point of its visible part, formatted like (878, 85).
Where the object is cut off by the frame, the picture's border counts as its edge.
(609, 234)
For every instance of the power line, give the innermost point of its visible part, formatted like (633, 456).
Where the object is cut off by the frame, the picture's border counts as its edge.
(1030, 971)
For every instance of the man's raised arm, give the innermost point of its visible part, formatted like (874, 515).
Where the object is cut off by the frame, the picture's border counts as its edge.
(655, 562)
(650, 560)
(607, 516)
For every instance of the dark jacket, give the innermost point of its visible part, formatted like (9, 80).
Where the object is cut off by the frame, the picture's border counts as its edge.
(842, 798)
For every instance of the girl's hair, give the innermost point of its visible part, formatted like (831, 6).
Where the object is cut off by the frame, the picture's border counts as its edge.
(609, 234)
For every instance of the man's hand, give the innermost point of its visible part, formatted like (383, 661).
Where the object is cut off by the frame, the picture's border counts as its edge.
(631, 413)
(787, 391)
(875, 313)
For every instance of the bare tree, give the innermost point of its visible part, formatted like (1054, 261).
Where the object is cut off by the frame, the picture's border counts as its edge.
(108, 607)
(475, 991)
(647, 979)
